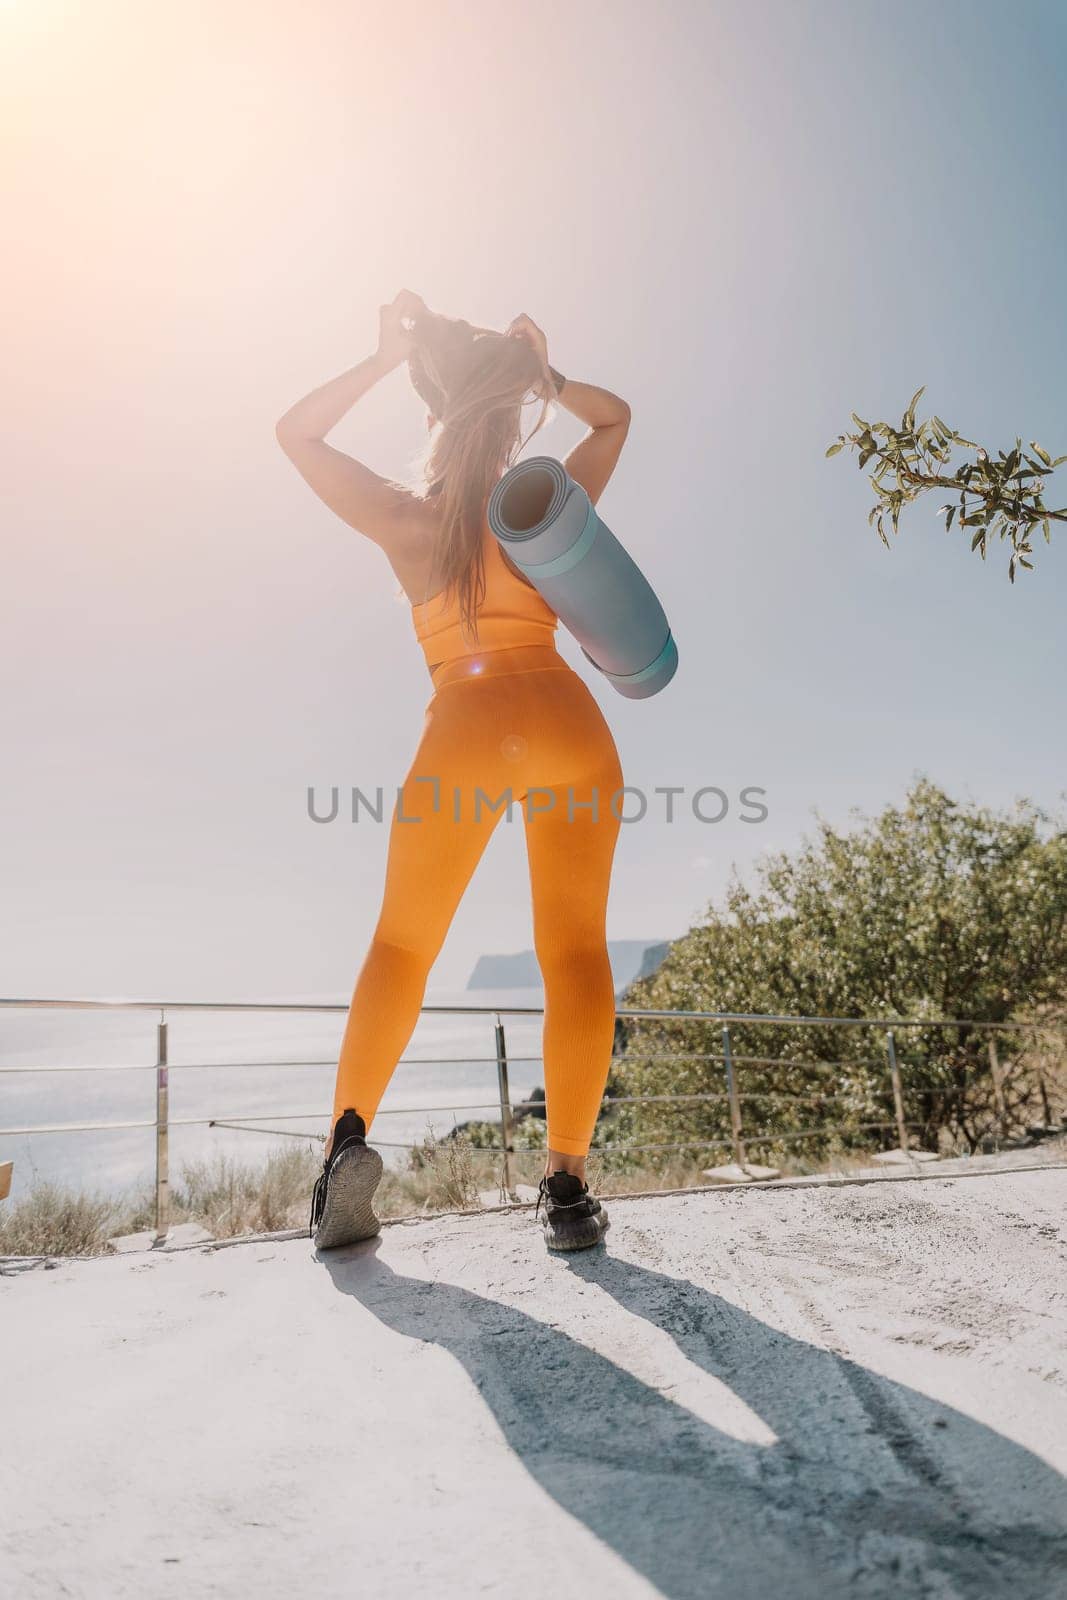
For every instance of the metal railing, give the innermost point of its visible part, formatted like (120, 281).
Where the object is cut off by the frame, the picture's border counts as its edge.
(738, 1142)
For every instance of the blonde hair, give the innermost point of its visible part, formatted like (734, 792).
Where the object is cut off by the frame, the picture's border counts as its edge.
(475, 382)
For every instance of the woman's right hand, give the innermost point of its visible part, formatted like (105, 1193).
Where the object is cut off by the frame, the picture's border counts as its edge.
(394, 330)
(524, 327)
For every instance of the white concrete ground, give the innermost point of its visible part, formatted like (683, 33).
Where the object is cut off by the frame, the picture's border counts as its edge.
(810, 1392)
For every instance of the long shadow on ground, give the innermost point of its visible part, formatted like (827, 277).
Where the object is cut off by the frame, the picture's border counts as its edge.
(871, 1489)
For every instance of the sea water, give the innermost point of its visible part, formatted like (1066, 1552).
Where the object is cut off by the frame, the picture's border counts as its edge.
(227, 1067)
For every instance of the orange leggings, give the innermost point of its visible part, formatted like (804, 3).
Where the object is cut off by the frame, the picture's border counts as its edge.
(513, 721)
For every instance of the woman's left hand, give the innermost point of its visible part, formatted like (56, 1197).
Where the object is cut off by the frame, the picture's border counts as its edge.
(394, 326)
(525, 328)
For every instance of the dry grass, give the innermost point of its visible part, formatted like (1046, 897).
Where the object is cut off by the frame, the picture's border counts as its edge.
(49, 1221)
(229, 1197)
(443, 1177)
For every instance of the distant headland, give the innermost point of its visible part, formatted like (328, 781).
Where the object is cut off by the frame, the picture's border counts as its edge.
(630, 959)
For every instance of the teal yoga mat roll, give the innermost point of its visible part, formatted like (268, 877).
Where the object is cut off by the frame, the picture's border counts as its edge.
(551, 531)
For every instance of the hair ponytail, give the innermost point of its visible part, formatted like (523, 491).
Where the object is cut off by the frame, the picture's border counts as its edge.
(475, 382)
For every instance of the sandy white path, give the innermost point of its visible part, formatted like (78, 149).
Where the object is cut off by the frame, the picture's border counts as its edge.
(809, 1393)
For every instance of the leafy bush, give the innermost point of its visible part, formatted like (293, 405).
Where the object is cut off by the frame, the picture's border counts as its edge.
(930, 910)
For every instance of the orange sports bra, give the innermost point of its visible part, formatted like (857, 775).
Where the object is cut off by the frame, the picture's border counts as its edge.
(512, 613)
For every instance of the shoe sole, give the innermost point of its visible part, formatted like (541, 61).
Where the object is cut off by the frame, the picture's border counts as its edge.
(580, 1236)
(349, 1211)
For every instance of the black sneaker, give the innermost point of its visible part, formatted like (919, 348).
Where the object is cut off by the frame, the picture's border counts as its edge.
(341, 1205)
(574, 1219)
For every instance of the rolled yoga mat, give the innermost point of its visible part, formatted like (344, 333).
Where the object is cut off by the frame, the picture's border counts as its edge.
(550, 529)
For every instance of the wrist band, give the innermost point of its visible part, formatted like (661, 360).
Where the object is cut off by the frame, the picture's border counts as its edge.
(558, 379)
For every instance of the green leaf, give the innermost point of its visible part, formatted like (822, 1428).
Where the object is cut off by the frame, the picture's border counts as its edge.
(1048, 531)
(1027, 564)
(907, 424)
(948, 519)
(834, 448)
(976, 541)
(1059, 461)
(1036, 448)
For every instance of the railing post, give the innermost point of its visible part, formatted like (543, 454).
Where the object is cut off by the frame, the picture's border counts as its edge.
(505, 1106)
(1046, 1104)
(898, 1093)
(997, 1075)
(162, 1132)
(734, 1098)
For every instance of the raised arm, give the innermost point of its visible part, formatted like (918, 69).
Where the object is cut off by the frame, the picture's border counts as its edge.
(375, 506)
(593, 459)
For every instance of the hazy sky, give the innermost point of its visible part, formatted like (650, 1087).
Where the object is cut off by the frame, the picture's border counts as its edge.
(747, 218)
